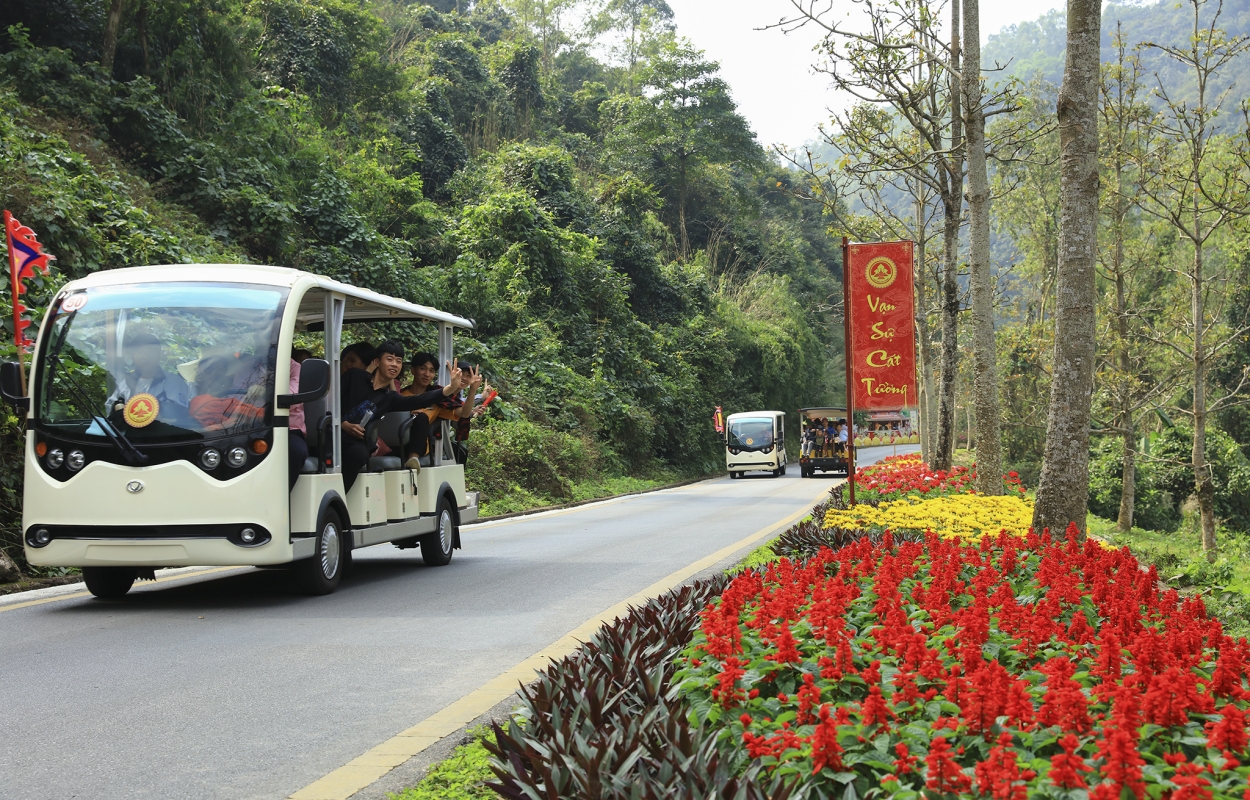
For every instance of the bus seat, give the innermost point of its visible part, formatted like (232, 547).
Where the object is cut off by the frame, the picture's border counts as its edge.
(393, 429)
(318, 422)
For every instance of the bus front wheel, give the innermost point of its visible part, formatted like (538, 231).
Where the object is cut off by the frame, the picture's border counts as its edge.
(436, 547)
(109, 582)
(321, 573)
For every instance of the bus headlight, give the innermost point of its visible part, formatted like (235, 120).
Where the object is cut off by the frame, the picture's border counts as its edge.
(210, 458)
(237, 457)
(40, 537)
(247, 535)
(75, 460)
(767, 450)
(56, 457)
(733, 451)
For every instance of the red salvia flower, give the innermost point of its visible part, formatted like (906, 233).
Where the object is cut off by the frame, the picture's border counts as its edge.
(873, 711)
(826, 752)
(1067, 770)
(1229, 733)
(944, 773)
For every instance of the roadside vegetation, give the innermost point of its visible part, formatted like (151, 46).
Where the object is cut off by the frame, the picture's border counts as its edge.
(587, 193)
(799, 676)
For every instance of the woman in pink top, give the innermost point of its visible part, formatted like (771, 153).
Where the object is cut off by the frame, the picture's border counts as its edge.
(297, 445)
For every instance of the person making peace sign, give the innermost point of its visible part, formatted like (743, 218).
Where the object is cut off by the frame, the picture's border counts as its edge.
(367, 396)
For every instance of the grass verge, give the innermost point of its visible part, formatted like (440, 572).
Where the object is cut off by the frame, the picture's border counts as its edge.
(460, 776)
(519, 500)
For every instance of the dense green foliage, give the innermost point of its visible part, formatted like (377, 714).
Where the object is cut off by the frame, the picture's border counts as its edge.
(1165, 478)
(630, 255)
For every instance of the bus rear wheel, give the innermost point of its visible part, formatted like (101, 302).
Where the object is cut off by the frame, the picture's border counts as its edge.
(321, 573)
(109, 582)
(436, 547)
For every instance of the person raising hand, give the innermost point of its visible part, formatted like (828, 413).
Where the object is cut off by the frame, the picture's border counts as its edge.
(368, 394)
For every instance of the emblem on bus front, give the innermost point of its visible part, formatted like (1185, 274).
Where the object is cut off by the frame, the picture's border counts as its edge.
(134, 487)
(141, 411)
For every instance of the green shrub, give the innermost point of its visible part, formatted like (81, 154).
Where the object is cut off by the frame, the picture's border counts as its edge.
(517, 456)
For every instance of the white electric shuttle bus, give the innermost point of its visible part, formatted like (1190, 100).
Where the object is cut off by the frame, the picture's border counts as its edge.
(755, 440)
(157, 430)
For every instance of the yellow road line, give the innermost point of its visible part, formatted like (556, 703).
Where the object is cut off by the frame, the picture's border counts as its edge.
(371, 765)
(77, 595)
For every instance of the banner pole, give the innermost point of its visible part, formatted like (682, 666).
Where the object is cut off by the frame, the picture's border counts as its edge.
(850, 369)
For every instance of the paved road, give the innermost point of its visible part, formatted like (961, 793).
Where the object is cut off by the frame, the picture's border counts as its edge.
(234, 686)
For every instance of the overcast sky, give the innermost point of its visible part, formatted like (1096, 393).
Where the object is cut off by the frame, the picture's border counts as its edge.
(770, 72)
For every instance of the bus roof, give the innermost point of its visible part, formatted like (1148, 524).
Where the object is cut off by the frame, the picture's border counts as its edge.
(756, 414)
(363, 305)
(823, 411)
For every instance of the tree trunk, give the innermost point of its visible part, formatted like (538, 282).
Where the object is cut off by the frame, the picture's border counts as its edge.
(984, 361)
(1063, 491)
(684, 242)
(1128, 464)
(951, 182)
(1204, 487)
(111, 24)
(924, 406)
(1128, 481)
(141, 22)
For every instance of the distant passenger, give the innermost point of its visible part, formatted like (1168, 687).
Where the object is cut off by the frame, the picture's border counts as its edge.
(144, 352)
(357, 356)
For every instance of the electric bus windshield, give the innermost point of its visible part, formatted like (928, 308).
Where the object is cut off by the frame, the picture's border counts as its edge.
(162, 362)
(750, 432)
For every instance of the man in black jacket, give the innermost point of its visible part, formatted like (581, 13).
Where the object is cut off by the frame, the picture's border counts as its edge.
(369, 394)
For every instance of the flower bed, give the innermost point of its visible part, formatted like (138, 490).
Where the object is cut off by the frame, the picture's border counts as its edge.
(864, 664)
(1016, 667)
(907, 475)
(966, 516)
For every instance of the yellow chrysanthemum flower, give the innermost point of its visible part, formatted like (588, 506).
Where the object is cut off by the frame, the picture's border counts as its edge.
(966, 516)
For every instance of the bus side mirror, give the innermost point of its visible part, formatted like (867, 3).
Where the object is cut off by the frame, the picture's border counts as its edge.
(11, 386)
(314, 382)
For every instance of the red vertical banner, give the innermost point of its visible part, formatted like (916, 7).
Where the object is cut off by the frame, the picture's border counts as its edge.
(881, 313)
(718, 420)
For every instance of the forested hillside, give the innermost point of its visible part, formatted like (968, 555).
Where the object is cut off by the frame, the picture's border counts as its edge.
(1035, 49)
(587, 193)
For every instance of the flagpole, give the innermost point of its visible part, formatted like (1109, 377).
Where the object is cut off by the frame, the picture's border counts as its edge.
(850, 369)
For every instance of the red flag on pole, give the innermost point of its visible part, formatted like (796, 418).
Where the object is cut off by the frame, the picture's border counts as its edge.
(718, 420)
(881, 313)
(25, 256)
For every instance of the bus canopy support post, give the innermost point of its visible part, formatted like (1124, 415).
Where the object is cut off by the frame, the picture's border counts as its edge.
(334, 307)
(445, 356)
(850, 369)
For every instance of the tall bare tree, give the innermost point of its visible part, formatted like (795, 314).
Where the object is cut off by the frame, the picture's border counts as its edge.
(984, 347)
(902, 67)
(862, 197)
(1195, 182)
(1063, 490)
(1126, 381)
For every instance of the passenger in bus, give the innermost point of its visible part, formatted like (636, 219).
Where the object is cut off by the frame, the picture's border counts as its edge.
(297, 431)
(453, 408)
(145, 354)
(357, 356)
(218, 404)
(367, 396)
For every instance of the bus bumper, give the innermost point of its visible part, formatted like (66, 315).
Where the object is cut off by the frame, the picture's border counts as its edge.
(166, 515)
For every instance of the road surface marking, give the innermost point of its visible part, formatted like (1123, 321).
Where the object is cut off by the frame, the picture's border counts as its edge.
(370, 766)
(76, 595)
